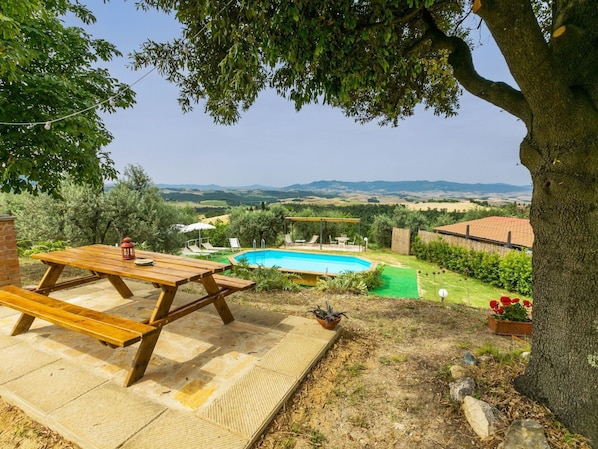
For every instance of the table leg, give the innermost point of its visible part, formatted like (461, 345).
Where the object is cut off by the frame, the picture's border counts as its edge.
(51, 275)
(221, 306)
(120, 286)
(148, 343)
(142, 357)
(163, 304)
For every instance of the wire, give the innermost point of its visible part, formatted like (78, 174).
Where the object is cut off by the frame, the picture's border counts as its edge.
(48, 123)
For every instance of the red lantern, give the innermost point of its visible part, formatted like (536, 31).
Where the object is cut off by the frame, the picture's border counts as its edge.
(127, 247)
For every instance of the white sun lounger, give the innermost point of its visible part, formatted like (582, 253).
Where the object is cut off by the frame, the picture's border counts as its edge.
(208, 246)
(201, 252)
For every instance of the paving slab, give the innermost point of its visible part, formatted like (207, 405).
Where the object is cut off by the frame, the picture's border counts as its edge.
(208, 385)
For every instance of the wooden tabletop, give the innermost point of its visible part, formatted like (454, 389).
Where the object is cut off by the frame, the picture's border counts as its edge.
(166, 270)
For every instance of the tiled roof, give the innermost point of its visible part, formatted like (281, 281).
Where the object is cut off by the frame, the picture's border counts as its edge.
(494, 230)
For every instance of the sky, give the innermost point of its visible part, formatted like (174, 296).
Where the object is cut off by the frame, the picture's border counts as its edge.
(274, 145)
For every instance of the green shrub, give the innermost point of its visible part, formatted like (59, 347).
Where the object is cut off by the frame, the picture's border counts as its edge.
(266, 279)
(350, 282)
(27, 248)
(516, 272)
(512, 272)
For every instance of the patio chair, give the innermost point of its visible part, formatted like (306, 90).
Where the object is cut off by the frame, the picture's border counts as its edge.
(288, 241)
(313, 240)
(332, 241)
(208, 246)
(234, 244)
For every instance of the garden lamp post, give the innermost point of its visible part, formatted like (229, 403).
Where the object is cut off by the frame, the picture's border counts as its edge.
(443, 294)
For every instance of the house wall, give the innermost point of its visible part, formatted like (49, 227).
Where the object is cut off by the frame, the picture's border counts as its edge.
(428, 237)
(401, 241)
(9, 256)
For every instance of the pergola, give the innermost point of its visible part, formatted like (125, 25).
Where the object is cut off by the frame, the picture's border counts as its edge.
(323, 220)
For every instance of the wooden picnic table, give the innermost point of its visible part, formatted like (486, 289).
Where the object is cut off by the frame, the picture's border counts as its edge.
(167, 272)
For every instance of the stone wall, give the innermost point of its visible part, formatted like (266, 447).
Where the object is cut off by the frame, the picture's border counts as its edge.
(9, 256)
(401, 241)
(428, 237)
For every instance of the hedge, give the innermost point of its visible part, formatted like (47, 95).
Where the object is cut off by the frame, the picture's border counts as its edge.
(512, 272)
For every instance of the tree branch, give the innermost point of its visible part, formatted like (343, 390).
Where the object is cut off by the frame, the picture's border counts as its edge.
(498, 93)
(515, 29)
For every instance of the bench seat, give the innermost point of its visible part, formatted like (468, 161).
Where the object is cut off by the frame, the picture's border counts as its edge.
(111, 329)
(232, 283)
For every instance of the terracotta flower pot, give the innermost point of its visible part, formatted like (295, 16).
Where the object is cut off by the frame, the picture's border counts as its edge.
(506, 327)
(330, 325)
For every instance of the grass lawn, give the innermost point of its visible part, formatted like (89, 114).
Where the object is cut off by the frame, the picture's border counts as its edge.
(398, 283)
(461, 289)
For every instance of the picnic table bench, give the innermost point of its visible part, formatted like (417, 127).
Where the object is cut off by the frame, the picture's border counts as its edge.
(107, 328)
(167, 272)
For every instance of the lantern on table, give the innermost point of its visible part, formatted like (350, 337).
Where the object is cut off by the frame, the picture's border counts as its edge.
(127, 248)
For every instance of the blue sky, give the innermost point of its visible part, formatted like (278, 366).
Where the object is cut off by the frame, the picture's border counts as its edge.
(276, 146)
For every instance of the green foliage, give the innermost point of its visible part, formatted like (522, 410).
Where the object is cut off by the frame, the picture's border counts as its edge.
(266, 279)
(345, 283)
(219, 235)
(139, 212)
(378, 220)
(502, 357)
(234, 198)
(308, 52)
(27, 249)
(327, 313)
(515, 312)
(317, 439)
(257, 225)
(516, 273)
(350, 282)
(48, 72)
(381, 230)
(511, 309)
(512, 272)
(85, 215)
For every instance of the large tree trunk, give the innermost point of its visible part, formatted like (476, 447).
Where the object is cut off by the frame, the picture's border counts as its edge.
(563, 368)
(559, 105)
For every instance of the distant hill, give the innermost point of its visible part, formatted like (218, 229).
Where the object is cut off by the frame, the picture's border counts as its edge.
(380, 187)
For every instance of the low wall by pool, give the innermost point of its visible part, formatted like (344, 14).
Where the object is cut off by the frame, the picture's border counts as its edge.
(309, 266)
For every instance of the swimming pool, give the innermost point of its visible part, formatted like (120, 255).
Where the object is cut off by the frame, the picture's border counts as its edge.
(309, 266)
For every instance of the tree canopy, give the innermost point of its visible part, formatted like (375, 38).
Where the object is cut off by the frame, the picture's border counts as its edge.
(52, 90)
(84, 215)
(377, 60)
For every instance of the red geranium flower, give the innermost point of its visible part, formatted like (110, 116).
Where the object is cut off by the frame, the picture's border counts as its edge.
(511, 309)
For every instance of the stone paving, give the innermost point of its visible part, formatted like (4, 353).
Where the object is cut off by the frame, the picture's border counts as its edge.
(208, 385)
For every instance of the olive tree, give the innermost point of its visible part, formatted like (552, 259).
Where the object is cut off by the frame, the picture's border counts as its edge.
(378, 60)
(250, 225)
(85, 215)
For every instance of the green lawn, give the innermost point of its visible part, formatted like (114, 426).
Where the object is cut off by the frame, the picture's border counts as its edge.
(461, 289)
(398, 283)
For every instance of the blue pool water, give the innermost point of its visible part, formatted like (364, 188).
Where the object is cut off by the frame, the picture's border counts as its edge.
(304, 262)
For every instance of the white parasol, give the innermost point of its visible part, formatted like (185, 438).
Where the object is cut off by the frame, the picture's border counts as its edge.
(199, 226)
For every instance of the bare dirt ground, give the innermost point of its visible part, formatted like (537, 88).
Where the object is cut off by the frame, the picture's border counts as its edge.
(383, 384)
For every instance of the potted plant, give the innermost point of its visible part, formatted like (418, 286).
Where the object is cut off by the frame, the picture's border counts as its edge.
(327, 317)
(510, 316)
